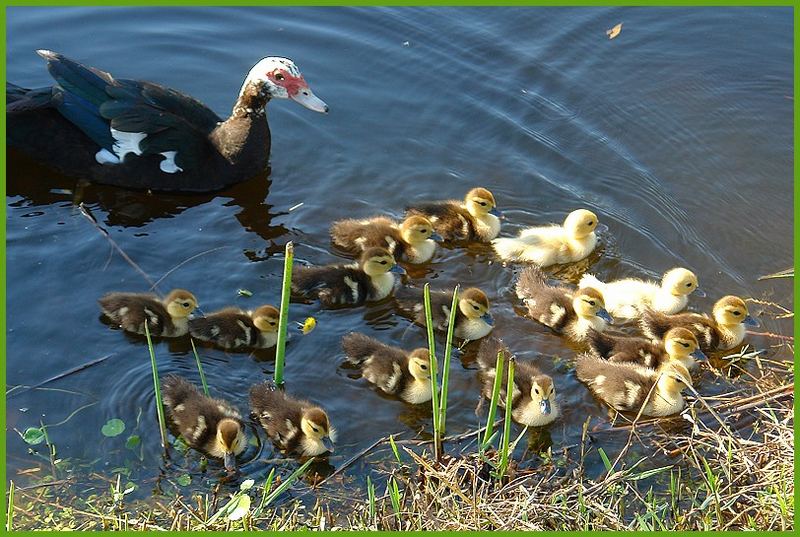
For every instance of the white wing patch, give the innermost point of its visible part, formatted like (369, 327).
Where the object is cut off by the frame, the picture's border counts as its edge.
(200, 429)
(353, 285)
(130, 142)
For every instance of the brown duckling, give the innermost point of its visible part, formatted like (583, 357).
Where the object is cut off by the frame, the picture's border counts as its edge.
(473, 320)
(166, 318)
(533, 402)
(725, 331)
(474, 219)
(212, 426)
(626, 386)
(295, 426)
(411, 241)
(391, 369)
(232, 328)
(563, 310)
(679, 344)
(372, 279)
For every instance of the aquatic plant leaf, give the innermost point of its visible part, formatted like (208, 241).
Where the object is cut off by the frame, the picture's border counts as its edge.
(184, 480)
(240, 508)
(244, 292)
(614, 32)
(133, 441)
(247, 484)
(113, 427)
(33, 435)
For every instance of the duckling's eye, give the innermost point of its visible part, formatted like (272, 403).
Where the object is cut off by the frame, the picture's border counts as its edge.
(279, 76)
(590, 223)
(686, 345)
(476, 308)
(689, 284)
(737, 313)
(482, 203)
(272, 323)
(678, 379)
(423, 230)
(592, 303)
(423, 367)
(536, 390)
(185, 304)
(315, 429)
(383, 262)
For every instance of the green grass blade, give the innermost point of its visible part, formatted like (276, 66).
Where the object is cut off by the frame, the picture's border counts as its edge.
(10, 511)
(162, 424)
(371, 497)
(498, 380)
(507, 422)
(606, 461)
(199, 367)
(284, 486)
(286, 290)
(448, 350)
(394, 448)
(434, 370)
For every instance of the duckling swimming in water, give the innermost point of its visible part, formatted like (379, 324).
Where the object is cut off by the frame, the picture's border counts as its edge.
(474, 219)
(725, 331)
(563, 310)
(533, 402)
(232, 328)
(626, 386)
(625, 298)
(211, 426)
(165, 318)
(473, 320)
(679, 344)
(372, 279)
(296, 427)
(391, 369)
(413, 240)
(553, 244)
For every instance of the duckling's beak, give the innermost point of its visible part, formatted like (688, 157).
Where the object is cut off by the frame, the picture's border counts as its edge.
(698, 355)
(751, 321)
(435, 236)
(699, 292)
(603, 314)
(545, 406)
(230, 461)
(328, 443)
(488, 319)
(495, 212)
(398, 269)
(306, 97)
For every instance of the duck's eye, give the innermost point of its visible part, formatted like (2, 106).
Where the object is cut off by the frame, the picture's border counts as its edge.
(536, 390)
(423, 367)
(482, 203)
(383, 262)
(279, 76)
(592, 303)
(476, 308)
(678, 379)
(423, 230)
(737, 313)
(272, 323)
(186, 304)
(686, 345)
(590, 223)
(315, 429)
(689, 284)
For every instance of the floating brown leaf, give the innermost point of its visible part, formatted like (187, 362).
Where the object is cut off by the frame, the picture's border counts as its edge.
(614, 32)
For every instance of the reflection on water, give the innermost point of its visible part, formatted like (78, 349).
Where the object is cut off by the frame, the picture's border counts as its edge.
(677, 134)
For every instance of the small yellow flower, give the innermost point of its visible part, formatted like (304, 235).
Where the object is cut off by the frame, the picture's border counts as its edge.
(308, 325)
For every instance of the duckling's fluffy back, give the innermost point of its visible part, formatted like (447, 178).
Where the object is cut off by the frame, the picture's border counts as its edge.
(355, 236)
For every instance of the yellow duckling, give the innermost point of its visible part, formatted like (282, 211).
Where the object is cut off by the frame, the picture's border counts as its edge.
(295, 426)
(563, 310)
(211, 426)
(412, 240)
(473, 320)
(166, 318)
(372, 279)
(627, 386)
(232, 328)
(625, 298)
(553, 244)
(725, 331)
(679, 344)
(391, 369)
(474, 219)
(533, 402)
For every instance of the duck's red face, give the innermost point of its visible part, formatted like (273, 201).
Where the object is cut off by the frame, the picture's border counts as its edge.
(282, 80)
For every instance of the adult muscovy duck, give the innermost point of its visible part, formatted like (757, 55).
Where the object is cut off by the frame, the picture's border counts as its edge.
(138, 134)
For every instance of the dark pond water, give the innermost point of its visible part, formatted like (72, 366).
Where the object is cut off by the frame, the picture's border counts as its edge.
(678, 133)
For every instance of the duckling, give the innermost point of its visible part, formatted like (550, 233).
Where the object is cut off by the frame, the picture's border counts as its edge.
(474, 219)
(211, 426)
(725, 331)
(232, 328)
(166, 318)
(626, 386)
(412, 241)
(473, 320)
(533, 402)
(336, 285)
(553, 244)
(297, 427)
(625, 298)
(568, 312)
(679, 344)
(391, 369)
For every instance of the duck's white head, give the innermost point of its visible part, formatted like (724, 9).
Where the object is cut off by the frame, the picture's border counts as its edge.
(731, 310)
(279, 78)
(680, 282)
(580, 223)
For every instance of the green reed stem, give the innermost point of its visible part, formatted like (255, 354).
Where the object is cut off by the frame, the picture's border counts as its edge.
(448, 350)
(498, 381)
(507, 422)
(10, 511)
(162, 425)
(434, 370)
(283, 487)
(199, 367)
(286, 289)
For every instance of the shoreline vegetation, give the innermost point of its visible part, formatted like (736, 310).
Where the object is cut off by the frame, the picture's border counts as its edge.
(726, 464)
